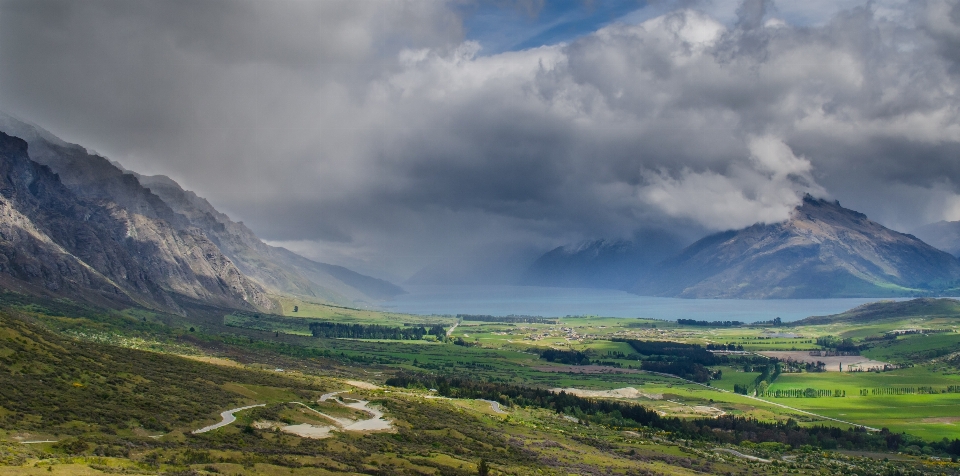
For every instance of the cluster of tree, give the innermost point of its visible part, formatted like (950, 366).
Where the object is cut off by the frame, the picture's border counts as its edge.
(741, 389)
(794, 366)
(459, 341)
(839, 345)
(768, 374)
(608, 363)
(683, 369)
(725, 429)
(804, 393)
(880, 338)
(511, 319)
(878, 391)
(688, 361)
(670, 352)
(335, 330)
(568, 357)
(751, 362)
(693, 322)
(775, 322)
(730, 346)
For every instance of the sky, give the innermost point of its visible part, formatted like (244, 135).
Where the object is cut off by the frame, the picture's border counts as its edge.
(395, 137)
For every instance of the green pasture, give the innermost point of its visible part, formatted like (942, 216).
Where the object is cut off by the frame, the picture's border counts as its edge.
(916, 347)
(929, 416)
(733, 376)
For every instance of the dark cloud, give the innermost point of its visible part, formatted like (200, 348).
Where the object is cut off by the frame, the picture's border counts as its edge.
(372, 134)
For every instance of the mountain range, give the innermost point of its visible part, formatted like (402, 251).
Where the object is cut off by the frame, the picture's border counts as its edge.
(74, 224)
(610, 264)
(822, 251)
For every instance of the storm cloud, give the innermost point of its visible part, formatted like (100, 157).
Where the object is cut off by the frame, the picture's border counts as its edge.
(378, 135)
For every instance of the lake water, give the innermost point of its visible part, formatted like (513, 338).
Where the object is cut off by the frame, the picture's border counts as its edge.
(561, 302)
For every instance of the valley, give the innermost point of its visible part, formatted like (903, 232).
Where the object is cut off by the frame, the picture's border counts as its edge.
(492, 238)
(143, 331)
(284, 383)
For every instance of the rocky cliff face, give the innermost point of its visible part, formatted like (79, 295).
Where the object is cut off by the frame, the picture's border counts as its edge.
(823, 250)
(275, 267)
(152, 202)
(57, 242)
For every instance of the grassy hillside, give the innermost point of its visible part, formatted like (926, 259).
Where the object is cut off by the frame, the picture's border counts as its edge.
(885, 310)
(62, 386)
(104, 408)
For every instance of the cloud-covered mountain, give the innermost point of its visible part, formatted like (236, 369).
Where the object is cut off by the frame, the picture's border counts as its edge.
(944, 235)
(616, 264)
(159, 245)
(823, 250)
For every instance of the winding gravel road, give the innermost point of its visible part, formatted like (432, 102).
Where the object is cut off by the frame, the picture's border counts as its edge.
(228, 418)
(495, 405)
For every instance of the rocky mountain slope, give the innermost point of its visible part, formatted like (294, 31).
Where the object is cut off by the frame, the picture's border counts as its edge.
(56, 242)
(823, 250)
(277, 268)
(943, 235)
(180, 224)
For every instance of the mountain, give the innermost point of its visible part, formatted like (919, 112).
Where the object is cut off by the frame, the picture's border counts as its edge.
(275, 267)
(54, 242)
(176, 225)
(944, 235)
(823, 250)
(885, 310)
(602, 263)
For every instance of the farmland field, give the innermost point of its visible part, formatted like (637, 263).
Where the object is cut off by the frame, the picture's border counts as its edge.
(286, 364)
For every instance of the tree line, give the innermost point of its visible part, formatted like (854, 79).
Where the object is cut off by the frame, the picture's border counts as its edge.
(337, 330)
(878, 391)
(804, 393)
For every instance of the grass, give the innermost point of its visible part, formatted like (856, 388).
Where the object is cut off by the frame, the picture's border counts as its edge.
(109, 353)
(928, 416)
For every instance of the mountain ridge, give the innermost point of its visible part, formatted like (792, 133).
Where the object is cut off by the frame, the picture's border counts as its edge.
(822, 250)
(605, 264)
(54, 240)
(169, 214)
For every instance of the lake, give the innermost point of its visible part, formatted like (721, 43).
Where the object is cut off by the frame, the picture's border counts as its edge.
(561, 302)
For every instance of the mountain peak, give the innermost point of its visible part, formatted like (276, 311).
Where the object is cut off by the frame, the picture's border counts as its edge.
(823, 250)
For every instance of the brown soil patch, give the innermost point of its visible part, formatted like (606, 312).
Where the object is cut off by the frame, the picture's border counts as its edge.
(833, 363)
(947, 420)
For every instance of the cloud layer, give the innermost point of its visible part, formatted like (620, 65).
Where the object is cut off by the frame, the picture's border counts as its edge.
(375, 135)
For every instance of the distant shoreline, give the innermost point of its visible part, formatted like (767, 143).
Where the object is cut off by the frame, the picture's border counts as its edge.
(500, 300)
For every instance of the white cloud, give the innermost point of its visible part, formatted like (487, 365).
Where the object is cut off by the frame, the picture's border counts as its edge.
(378, 132)
(763, 189)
